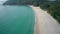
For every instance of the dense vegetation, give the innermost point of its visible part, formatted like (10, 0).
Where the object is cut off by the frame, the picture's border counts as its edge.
(18, 2)
(51, 6)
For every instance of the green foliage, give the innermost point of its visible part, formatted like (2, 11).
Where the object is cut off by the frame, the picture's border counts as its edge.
(18, 2)
(53, 9)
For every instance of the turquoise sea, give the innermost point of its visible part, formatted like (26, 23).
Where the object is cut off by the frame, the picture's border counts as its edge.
(16, 20)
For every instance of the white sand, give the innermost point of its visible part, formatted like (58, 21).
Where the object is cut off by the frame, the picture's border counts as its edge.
(45, 24)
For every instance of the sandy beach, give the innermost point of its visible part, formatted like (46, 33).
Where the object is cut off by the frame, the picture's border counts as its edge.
(44, 23)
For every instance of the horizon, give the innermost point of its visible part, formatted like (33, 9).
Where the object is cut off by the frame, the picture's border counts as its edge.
(2, 1)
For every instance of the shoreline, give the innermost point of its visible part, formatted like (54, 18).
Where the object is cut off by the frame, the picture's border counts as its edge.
(44, 23)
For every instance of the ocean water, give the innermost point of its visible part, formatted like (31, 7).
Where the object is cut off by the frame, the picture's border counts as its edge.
(16, 20)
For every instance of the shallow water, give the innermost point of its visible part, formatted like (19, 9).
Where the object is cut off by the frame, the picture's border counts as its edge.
(16, 20)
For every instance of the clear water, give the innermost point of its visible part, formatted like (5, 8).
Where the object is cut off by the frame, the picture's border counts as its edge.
(16, 20)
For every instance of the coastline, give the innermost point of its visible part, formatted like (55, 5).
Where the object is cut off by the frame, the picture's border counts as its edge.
(44, 23)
